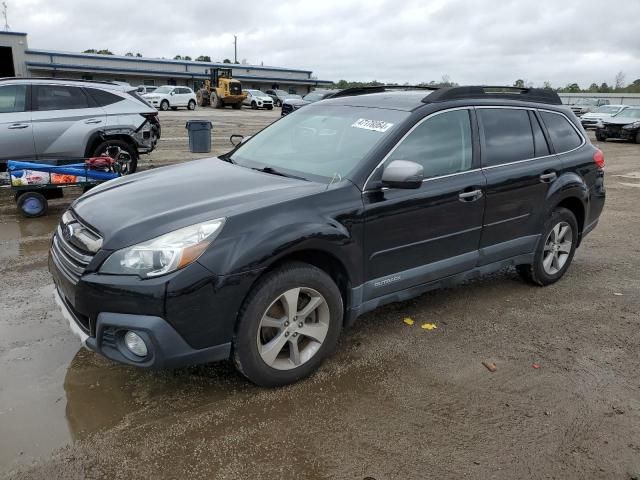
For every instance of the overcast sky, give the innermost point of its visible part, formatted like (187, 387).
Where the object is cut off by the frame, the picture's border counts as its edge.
(471, 41)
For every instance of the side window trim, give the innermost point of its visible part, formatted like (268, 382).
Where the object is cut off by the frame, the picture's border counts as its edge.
(474, 166)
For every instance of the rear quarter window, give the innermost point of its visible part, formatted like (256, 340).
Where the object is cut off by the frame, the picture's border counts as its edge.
(103, 98)
(562, 134)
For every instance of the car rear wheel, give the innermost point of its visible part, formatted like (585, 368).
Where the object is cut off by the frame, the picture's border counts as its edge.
(600, 136)
(124, 154)
(164, 105)
(288, 325)
(555, 249)
(191, 105)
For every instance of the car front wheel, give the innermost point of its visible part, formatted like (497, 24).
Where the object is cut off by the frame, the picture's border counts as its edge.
(288, 325)
(191, 105)
(555, 249)
(164, 105)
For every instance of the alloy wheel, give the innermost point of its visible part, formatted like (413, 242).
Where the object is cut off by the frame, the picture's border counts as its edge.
(557, 248)
(121, 156)
(293, 328)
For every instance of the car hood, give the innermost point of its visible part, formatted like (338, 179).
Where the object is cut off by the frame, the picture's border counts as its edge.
(621, 120)
(138, 207)
(596, 116)
(297, 102)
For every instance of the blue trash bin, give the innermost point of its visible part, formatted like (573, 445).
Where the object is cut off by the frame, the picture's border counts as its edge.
(199, 135)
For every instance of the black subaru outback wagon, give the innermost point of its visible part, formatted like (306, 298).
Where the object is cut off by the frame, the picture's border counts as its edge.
(264, 254)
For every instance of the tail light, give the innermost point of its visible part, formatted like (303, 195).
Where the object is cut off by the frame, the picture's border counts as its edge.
(598, 158)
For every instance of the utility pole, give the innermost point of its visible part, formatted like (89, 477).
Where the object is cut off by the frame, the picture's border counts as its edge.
(4, 14)
(235, 49)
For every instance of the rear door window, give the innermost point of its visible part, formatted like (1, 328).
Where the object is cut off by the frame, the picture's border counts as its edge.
(13, 98)
(59, 97)
(507, 135)
(540, 143)
(563, 136)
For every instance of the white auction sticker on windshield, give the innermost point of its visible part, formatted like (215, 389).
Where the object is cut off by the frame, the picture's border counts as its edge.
(375, 125)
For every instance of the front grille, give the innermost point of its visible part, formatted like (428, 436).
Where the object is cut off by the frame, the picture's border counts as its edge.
(109, 338)
(286, 108)
(73, 247)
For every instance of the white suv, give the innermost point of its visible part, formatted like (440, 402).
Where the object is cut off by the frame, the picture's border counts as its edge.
(170, 97)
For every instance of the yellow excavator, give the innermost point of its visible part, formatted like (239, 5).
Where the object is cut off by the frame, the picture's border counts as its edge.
(221, 90)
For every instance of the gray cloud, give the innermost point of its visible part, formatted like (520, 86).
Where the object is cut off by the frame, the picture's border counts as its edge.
(489, 42)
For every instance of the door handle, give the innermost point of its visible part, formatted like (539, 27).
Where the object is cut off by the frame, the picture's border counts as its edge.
(17, 126)
(548, 177)
(92, 121)
(470, 196)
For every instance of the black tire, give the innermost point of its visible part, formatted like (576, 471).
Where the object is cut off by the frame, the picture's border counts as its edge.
(164, 105)
(278, 103)
(536, 273)
(191, 105)
(32, 204)
(254, 105)
(121, 151)
(601, 137)
(236, 106)
(215, 101)
(638, 136)
(268, 290)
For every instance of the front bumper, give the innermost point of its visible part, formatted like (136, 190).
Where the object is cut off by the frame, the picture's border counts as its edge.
(185, 318)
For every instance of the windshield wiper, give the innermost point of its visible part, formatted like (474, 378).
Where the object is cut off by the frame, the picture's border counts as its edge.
(273, 171)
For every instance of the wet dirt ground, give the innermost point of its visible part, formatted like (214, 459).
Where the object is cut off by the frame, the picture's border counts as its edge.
(395, 402)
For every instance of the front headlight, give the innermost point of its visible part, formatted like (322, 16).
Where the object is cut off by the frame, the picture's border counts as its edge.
(633, 125)
(164, 254)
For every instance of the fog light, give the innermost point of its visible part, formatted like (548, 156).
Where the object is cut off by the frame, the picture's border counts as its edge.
(135, 344)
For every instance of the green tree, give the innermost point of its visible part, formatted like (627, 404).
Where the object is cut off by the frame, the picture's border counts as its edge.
(572, 88)
(547, 85)
(186, 57)
(178, 57)
(593, 87)
(226, 60)
(139, 55)
(203, 58)
(519, 83)
(604, 88)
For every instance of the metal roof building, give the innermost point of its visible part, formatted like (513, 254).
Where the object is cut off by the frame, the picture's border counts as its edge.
(17, 59)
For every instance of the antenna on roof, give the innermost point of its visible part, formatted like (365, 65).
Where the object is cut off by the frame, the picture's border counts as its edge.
(4, 14)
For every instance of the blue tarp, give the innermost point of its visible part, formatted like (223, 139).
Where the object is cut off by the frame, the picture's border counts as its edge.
(16, 167)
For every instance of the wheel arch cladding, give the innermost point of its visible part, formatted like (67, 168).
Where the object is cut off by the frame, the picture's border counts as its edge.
(321, 259)
(575, 206)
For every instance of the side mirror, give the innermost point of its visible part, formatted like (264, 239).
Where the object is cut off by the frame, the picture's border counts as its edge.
(172, 93)
(237, 139)
(402, 174)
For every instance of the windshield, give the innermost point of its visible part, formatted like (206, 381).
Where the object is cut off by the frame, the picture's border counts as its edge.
(607, 109)
(320, 142)
(163, 90)
(629, 113)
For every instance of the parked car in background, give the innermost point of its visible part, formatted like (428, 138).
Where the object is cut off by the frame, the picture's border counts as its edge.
(257, 99)
(265, 254)
(590, 120)
(144, 89)
(170, 97)
(586, 105)
(60, 121)
(291, 104)
(279, 96)
(624, 125)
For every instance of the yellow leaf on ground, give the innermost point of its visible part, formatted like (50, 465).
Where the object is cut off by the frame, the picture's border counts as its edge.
(429, 326)
(408, 321)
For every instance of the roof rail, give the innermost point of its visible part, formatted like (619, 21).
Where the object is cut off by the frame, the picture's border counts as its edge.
(61, 79)
(511, 93)
(348, 92)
